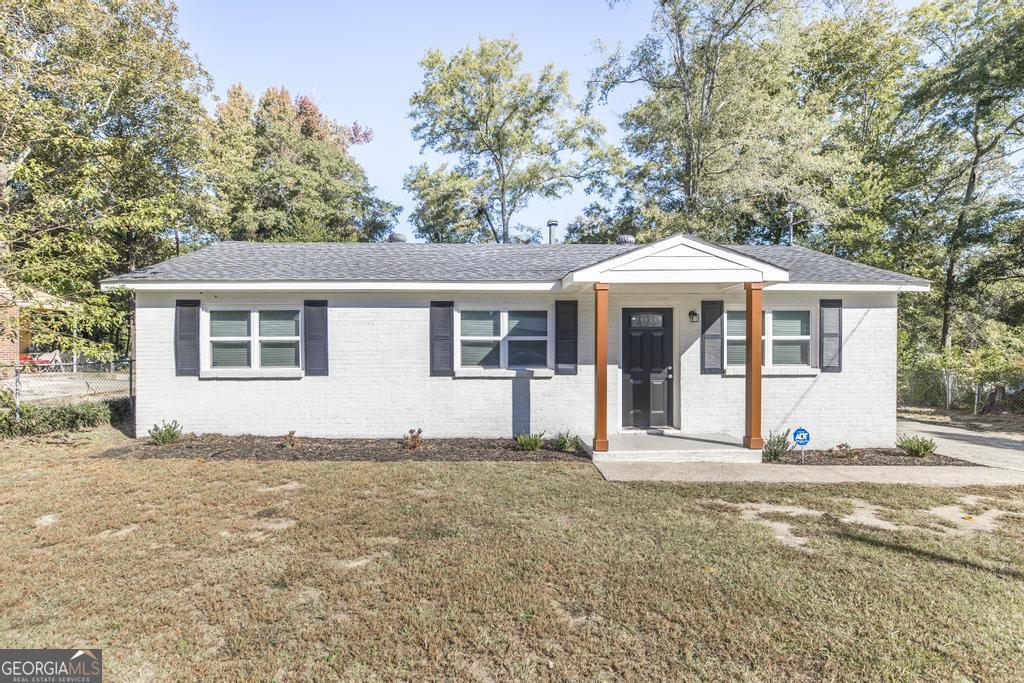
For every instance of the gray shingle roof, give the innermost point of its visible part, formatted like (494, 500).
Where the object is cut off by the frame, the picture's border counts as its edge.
(351, 261)
(362, 261)
(807, 265)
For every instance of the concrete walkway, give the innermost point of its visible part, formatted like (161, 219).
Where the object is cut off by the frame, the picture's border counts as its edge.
(999, 454)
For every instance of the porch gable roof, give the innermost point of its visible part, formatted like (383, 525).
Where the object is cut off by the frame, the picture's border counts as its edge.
(680, 259)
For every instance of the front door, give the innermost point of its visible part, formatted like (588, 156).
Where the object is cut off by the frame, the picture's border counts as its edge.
(646, 367)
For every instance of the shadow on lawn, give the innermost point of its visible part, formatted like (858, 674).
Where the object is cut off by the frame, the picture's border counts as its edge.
(905, 549)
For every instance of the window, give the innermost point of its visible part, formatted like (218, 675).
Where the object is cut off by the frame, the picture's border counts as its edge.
(791, 337)
(503, 339)
(255, 338)
(736, 337)
(785, 337)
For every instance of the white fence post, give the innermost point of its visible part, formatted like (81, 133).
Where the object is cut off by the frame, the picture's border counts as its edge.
(17, 393)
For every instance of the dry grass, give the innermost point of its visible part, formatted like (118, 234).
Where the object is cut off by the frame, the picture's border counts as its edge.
(194, 569)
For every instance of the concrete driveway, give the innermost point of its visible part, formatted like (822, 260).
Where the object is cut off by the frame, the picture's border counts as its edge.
(992, 449)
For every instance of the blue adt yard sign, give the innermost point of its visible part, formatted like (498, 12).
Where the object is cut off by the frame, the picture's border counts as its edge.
(801, 437)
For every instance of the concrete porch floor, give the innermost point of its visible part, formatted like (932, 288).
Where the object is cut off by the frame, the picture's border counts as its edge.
(670, 446)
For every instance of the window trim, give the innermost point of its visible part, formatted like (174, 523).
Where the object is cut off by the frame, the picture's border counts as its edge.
(503, 337)
(769, 338)
(254, 369)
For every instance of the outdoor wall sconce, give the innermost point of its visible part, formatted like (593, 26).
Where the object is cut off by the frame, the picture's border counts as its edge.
(694, 317)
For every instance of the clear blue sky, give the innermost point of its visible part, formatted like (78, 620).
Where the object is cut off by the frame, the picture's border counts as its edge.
(359, 60)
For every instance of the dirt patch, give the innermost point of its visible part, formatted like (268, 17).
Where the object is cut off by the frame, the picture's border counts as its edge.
(767, 514)
(867, 456)
(866, 514)
(290, 486)
(46, 520)
(119, 533)
(217, 447)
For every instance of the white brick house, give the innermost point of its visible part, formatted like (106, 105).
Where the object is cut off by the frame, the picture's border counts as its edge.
(370, 340)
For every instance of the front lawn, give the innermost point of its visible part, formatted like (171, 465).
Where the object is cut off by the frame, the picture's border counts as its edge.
(294, 570)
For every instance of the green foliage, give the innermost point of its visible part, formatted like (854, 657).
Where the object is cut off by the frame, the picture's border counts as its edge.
(43, 419)
(165, 433)
(102, 137)
(282, 171)
(413, 439)
(916, 446)
(289, 440)
(565, 441)
(530, 442)
(516, 137)
(726, 141)
(776, 446)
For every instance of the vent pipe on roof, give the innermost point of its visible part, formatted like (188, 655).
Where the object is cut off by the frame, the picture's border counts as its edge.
(552, 224)
(396, 237)
(625, 239)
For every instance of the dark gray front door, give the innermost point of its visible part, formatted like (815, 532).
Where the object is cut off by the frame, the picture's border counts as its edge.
(646, 367)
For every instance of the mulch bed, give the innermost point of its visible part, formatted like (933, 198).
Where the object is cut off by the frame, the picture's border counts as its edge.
(867, 456)
(217, 447)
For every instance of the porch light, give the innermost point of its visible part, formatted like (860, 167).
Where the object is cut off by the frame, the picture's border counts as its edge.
(694, 317)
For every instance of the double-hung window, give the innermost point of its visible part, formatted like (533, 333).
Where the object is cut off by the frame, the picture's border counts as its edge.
(791, 337)
(736, 337)
(255, 338)
(785, 337)
(495, 338)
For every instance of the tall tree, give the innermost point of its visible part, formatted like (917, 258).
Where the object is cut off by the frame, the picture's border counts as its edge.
(515, 138)
(724, 144)
(973, 96)
(100, 104)
(280, 170)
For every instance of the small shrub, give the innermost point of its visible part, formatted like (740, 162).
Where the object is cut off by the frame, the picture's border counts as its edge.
(42, 419)
(413, 439)
(841, 450)
(165, 433)
(565, 441)
(776, 446)
(530, 442)
(289, 440)
(916, 446)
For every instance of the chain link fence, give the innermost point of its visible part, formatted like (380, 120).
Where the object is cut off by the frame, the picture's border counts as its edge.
(63, 383)
(941, 388)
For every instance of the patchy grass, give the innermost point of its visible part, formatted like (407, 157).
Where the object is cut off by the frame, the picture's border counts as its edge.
(297, 570)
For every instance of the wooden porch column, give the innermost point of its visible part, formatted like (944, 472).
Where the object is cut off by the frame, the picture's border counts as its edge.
(753, 438)
(600, 367)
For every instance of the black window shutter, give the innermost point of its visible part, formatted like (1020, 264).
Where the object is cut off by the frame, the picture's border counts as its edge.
(566, 337)
(442, 339)
(315, 339)
(712, 337)
(186, 338)
(830, 337)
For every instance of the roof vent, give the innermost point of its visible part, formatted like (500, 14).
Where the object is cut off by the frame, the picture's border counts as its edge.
(396, 237)
(625, 239)
(552, 226)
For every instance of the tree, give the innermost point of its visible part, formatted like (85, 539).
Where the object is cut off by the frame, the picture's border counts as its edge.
(101, 104)
(282, 171)
(724, 145)
(973, 96)
(515, 138)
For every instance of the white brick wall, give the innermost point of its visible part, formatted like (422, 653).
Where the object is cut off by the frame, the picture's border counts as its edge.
(379, 384)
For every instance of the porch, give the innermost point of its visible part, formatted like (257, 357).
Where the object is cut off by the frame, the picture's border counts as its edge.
(671, 300)
(664, 445)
